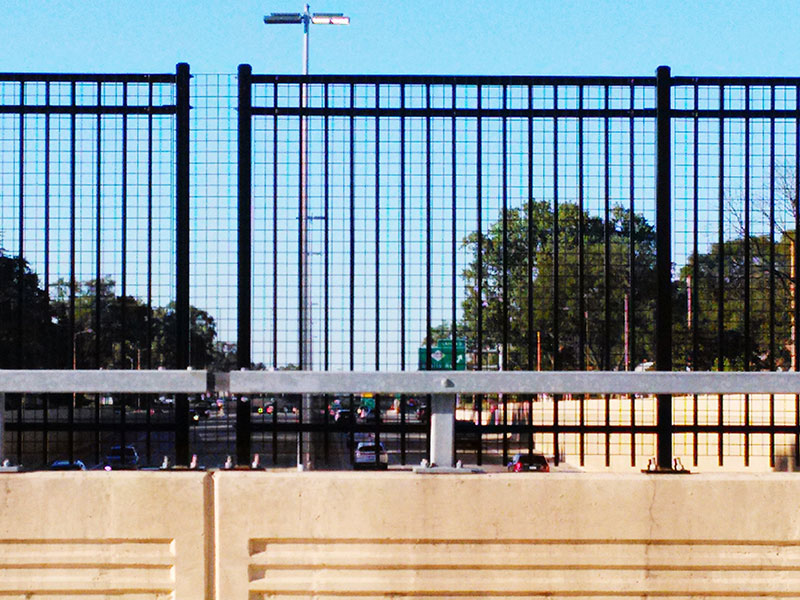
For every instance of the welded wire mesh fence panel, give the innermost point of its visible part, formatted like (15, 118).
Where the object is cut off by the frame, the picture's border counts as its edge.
(423, 223)
(88, 238)
(90, 430)
(735, 161)
(345, 223)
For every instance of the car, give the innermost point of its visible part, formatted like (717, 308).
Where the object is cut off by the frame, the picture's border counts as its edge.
(365, 456)
(529, 462)
(198, 412)
(122, 458)
(65, 465)
(367, 415)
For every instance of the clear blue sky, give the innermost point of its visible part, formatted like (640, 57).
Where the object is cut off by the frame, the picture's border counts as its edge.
(598, 37)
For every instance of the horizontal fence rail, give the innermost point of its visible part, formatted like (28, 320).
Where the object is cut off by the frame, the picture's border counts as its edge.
(411, 383)
(542, 411)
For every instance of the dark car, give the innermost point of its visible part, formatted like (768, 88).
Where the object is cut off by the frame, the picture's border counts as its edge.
(122, 458)
(65, 465)
(198, 412)
(343, 415)
(529, 462)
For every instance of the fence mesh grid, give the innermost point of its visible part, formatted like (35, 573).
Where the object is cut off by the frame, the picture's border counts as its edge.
(482, 223)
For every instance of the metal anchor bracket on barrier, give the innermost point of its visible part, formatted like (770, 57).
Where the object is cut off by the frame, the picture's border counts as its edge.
(676, 469)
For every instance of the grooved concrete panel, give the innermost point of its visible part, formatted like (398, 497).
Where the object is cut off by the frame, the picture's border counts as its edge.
(334, 535)
(121, 535)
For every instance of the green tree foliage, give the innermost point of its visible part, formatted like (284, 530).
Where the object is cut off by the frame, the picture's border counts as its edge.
(110, 331)
(532, 228)
(769, 283)
(28, 335)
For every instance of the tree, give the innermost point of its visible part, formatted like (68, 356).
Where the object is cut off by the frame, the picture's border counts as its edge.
(28, 335)
(769, 286)
(528, 249)
(115, 331)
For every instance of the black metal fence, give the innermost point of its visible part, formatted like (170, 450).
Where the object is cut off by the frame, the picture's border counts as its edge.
(403, 223)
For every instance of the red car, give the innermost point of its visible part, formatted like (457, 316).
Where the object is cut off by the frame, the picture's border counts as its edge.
(529, 462)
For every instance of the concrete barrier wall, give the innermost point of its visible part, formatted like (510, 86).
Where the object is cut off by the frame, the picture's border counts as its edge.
(122, 535)
(253, 535)
(331, 535)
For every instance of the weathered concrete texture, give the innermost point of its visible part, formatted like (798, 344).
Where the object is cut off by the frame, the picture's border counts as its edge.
(120, 535)
(251, 535)
(326, 535)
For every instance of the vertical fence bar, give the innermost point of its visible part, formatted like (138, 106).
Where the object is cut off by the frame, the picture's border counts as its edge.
(428, 237)
(606, 239)
(149, 338)
(49, 362)
(721, 272)
(275, 238)
(607, 266)
(20, 317)
(532, 333)
(772, 274)
(327, 240)
(503, 363)
(631, 333)
(453, 234)
(796, 274)
(352, 241)
(694, 303)
(98, 235)
(377, 250)
(583, 321)
(479, 252)
(748, 340)
(123, 346)
(72, 275)
(556, 281)
(182, 255)
(663, 341)
(428, 264)
(403, 399)
(632, 284)
(244, 255)
(98, 273)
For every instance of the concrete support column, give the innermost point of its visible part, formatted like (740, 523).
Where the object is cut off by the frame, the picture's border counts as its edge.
(443, 430)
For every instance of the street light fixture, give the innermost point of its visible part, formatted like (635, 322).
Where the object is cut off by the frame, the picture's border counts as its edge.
(306, 355)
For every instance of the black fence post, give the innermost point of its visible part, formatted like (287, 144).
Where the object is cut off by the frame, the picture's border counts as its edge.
(663, 332)
(182, 316)
(244, 257)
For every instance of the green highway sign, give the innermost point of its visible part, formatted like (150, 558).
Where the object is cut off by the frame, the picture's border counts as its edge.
(442, 356)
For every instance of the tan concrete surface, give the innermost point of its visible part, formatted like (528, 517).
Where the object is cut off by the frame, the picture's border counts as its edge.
(334, 535)
(121, 535)
(324, 535)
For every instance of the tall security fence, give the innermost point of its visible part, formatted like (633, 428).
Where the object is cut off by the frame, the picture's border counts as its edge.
(393, 223)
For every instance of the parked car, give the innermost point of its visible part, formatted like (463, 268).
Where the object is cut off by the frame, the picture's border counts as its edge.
(65, 465)
(122, 458)
(365, 456)
(529, 462)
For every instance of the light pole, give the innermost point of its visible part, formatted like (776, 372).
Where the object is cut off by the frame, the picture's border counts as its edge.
(306, 353)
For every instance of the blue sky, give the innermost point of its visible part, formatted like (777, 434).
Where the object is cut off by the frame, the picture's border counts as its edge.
(601, 37)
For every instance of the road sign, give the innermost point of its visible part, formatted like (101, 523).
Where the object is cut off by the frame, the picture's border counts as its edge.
(442, 356)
